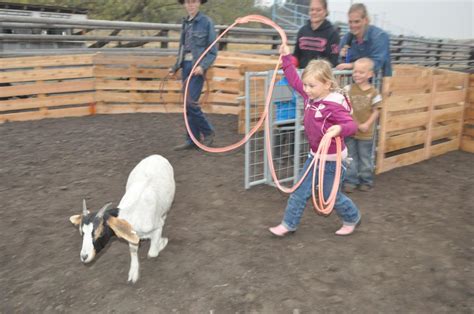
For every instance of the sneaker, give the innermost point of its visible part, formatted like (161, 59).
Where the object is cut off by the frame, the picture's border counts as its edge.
(280, 231)
(185, 146)
(208, 139)
(346, 230)
(349, 188)
(365, 188)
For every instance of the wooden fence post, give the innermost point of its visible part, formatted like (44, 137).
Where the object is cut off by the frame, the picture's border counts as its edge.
(431, 109)
(164, 32)
(222, 45)
(382, 124)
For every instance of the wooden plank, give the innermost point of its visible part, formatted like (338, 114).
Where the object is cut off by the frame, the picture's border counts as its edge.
(407, 70)
(455, 113)
(406, 102)
(449, 97)
(236, 63)
(48, 101)
(470, 98)
(255, 68)
(38, 115)
(232, 74)
(112, 59)
(467, 144)
(443, 131)
(468, 132)
(46, 74)
(402, 160)
(45, 61)
(237, 54)
(220, 98)
(121, 109)
(401, 122)
(126, 97)
(449, 80)
(228, 87)
(102, 71)
(409, 84)
(406, 140)
(219, 109)
(47, 88)
(443, 148)
(106, 84)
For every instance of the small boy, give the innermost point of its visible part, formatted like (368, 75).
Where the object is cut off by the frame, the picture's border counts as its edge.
(366, 102)
(197, 33)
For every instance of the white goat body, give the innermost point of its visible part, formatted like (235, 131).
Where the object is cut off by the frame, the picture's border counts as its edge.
(148, 197)
(149, 194)
(142, 211)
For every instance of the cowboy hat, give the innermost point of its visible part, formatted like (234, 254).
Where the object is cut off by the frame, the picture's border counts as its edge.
(182, 1)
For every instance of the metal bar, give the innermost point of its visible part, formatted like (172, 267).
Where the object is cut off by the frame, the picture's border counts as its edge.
(247, 129)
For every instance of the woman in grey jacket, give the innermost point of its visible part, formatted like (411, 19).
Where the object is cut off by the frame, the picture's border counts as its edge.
(197, 34)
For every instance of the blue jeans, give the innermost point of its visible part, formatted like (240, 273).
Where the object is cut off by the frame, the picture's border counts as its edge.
(361, 167)
(198, 122)
(344, 206)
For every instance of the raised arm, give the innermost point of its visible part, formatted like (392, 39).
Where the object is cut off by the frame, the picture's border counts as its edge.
(290, 71)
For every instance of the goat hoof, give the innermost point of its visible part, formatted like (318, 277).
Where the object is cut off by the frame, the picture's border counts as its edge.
(132, 280)
(153, 252)
(132, 277)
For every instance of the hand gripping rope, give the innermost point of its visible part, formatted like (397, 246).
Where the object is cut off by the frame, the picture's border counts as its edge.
(321, 205)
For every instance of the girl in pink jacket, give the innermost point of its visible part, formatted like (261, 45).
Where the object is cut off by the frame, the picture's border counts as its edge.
(325, 111)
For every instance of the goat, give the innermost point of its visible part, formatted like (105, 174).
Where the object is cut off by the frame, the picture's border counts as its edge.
(140, 214)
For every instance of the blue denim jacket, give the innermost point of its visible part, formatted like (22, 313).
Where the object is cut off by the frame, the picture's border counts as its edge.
(376, 46)
(203, 34)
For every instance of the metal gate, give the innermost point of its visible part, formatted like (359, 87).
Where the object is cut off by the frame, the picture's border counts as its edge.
(289, 144)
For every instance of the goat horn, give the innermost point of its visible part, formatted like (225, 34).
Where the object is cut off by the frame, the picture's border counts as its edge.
(84, 207)
(101, 211)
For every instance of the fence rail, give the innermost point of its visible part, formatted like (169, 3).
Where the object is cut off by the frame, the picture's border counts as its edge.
(79, 85)
(136, 38)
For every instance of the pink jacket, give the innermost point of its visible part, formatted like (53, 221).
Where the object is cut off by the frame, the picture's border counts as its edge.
(320, 115)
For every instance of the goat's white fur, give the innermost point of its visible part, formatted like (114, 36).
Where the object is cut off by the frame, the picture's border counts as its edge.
(149, 194)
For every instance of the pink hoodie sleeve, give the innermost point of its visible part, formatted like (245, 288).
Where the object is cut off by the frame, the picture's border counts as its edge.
(344, 118)
(292, 75)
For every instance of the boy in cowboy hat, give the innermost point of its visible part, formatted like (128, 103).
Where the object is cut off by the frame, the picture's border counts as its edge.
(197, 34)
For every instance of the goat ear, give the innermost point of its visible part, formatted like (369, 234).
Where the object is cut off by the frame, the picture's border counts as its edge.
(76, 220)
(123, 229)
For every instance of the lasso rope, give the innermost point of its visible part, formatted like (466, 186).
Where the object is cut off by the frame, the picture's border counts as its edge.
(321, 205)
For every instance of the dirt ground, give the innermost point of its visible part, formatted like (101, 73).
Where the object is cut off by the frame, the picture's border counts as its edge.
(412, 254)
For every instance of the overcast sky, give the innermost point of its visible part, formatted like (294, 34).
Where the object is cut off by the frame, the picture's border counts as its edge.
(428, 18)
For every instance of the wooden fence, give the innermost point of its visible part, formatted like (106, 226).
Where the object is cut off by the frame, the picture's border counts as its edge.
(46, 87)
(34, 88)
(422, 115)
(467, 142)
(161, 39)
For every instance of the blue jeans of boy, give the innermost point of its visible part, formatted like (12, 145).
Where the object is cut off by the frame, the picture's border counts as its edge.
(361, 168)
(344, 206)
(196, 118)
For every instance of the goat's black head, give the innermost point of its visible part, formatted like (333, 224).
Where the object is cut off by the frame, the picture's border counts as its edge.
(97, 229)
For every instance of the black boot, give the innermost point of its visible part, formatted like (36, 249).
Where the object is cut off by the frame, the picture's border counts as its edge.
(208, 139)
(185, 146)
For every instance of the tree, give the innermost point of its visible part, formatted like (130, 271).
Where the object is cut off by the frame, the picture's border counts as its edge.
(156, 11)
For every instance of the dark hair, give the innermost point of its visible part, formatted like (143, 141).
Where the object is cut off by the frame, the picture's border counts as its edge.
(182, 1)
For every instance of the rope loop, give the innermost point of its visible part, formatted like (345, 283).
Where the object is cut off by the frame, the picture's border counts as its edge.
(322, 206)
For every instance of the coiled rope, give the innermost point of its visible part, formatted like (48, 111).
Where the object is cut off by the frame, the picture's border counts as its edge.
(321, 205)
